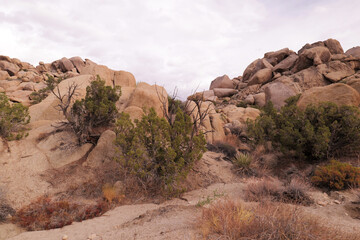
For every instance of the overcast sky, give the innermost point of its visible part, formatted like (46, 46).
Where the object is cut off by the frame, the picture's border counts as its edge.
(183, 43)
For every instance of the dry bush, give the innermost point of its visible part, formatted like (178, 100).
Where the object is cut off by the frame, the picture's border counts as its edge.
(5, 208)
(112, 193)
(232, 140)
(230, 220)
(337, 175)
(274, 190)
(45, 214)
(264, 189)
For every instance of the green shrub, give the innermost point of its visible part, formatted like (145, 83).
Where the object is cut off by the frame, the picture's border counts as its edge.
(242, 160)
(51, 83)
(337, 175)
(316, 133)
(97, 109)
(13, 117)
(156, 153)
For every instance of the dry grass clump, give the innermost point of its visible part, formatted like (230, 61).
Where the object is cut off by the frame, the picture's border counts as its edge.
(5, 208)
(272, 189)
(231, 220)
(44, 214)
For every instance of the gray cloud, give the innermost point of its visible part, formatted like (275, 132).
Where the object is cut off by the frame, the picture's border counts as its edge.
(171, 42)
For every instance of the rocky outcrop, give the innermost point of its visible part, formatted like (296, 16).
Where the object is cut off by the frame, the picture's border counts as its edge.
(355, 52)
(277, 93)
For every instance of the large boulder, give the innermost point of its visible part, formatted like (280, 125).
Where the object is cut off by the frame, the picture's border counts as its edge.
(222, 82)
(224, 92)
(335, 71)
(11, 68)
(254, 67)
(310, 77)
(240, 114)
(308, 46)
(355, 52)
(278, 56)
(334, 46)
(312, 56)
(94, 69)
(149, 96)
(277, 93)
(103, 152)
(260, 77)
(124, 79)
(260, 99)
(134, 112)
(126, 93)
(78, 63)
(208, 95)
(65, 65)
(4, 75)
(354, 81)
(338, 93)
(286, 64)
(7, 84)
(47, 109)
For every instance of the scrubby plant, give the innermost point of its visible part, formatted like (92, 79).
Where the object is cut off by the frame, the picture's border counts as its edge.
(242, 160)
(13, 118)
(45, 213)
(51, 82)
(337, 176)
(316, 133)
(234, 220)
(97, 109)
(156, 153)
(272, 189)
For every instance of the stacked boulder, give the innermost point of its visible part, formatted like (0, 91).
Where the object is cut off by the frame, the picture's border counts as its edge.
(320, 72)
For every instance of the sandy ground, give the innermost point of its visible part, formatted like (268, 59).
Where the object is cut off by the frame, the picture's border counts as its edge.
(177, 218)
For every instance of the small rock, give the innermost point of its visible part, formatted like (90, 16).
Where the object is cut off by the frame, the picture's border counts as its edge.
(65, 237)
(92, 236)
(322, 203)
(337, 202)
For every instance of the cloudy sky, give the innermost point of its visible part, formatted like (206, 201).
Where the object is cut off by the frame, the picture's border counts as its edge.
(183, 43)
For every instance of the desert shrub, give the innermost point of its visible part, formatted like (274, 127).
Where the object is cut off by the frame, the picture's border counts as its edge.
(337, 175)
(156, 153)
(5, 208)
(111, 193)
(315, 133)
(231, 220)
(44, 214)
(97, 109)
(13, 118)
(51, 83)
(242, 160)
(272, 189)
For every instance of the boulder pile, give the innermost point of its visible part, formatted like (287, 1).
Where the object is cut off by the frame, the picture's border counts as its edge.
(320, 72)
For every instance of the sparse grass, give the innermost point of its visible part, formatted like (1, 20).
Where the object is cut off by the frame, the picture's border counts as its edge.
(272, 189)
(45, 214)
(233, 220)
(5, 208)
(209, 199)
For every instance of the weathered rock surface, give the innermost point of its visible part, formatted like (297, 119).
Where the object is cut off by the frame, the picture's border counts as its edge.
(334, 46)
(337, 93)
(224, 92)
(277, 93)
(124, 79)
(276, 57)
(260, 77)
(335, 71)
(286, 64)
(103, 152)
(355, 52)
(222, 82)
(312, 56)
(254, 67)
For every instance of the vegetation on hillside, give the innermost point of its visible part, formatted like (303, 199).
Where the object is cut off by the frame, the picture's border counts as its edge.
(158, 154)
(316, 133)
(13, 118)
